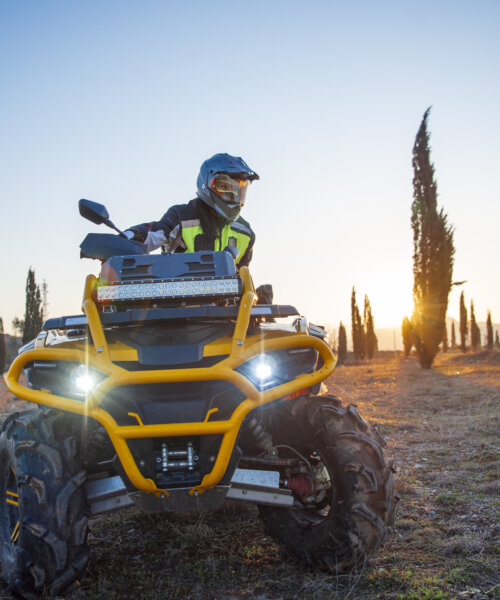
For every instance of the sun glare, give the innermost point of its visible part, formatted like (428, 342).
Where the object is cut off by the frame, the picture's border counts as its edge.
(389, 307)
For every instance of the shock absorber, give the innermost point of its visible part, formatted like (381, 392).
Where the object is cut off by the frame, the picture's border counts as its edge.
(300, 484)
(260, 435)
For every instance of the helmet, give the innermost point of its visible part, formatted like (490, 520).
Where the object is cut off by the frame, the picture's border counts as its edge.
(223, 182)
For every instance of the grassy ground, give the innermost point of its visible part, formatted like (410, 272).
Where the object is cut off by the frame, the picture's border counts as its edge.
(442, 426)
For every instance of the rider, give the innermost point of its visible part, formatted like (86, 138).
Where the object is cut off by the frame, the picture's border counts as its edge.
(211, 221)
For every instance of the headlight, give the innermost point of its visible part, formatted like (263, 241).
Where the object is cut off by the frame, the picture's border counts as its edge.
(263, 367)
(84, 379)
(63, 378)
(273, 368)
(262, 370)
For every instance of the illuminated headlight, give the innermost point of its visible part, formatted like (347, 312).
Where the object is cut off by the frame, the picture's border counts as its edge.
(84, 379)
(262, 370)
(168, 289)
(63, 378)
(263, 367)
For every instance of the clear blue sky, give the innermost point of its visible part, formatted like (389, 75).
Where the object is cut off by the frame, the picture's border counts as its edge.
(121, 101)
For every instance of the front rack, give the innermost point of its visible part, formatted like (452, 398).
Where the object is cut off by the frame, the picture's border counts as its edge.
(141, 315)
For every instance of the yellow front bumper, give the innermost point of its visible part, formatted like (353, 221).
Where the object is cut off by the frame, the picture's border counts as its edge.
(98, 357)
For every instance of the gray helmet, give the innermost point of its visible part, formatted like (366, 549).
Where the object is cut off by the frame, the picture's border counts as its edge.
(223, 182)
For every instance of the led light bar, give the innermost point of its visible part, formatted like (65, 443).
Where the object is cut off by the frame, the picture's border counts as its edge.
(168, 289)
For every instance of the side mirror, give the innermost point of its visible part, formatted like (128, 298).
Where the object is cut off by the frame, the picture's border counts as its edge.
(93, 211)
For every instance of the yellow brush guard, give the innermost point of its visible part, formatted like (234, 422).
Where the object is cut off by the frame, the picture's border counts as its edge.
(98, 357)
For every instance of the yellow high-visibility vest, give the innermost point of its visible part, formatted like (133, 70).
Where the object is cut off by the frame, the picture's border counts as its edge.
(233, 234)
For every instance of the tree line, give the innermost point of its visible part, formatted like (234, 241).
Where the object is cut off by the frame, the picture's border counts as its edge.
(364, 339)
(433, 259)
(469, 334)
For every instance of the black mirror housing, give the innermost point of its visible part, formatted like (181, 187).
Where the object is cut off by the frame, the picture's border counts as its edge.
(93, 211)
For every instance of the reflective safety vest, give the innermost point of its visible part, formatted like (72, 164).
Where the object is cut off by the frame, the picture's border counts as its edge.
(233, 234)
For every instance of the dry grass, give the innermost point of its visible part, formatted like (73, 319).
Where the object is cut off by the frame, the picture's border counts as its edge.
(442, 427)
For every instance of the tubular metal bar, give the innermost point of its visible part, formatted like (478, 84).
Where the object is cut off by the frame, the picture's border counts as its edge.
(98, 357)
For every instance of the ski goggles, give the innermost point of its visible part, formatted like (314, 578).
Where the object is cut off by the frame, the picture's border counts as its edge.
(232, 191)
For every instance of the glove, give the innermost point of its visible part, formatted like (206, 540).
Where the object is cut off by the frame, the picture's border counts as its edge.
(154, 240)
(130, 234)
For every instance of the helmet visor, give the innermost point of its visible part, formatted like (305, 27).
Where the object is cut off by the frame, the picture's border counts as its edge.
(232, 191)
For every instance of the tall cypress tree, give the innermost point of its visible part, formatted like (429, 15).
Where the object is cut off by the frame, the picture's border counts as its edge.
(3, 354)
(358, 334)
(433, 252)
(475, 334)
(33, 318)
(371, 342)
(463, 324)
(342, 347)
(489, 332)
(45, 303)
(453, 336)
(407, 336)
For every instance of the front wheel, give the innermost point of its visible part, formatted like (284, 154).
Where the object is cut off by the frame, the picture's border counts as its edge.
(43, 520)
(345, 499)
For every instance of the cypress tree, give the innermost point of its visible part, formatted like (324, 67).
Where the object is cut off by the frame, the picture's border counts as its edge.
(3, 354)
(332, 338)
(342, 347)
(33, 318)
(475, 334)
(358, 336)
(18, 326)
(497, 340)
(489, 332)
(407, 336)
(433, 252)
(45, 303)
(445, 339)
(371, 342)
(463, 324)
(453, 336)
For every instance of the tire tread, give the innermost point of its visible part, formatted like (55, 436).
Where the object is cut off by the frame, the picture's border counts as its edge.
(51, 552)
(365, 508)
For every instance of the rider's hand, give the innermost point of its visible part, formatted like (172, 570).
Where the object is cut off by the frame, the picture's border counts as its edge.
(154, 240)
(129, 234)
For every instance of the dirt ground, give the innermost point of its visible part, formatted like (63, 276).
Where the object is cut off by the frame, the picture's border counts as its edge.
(442, 428)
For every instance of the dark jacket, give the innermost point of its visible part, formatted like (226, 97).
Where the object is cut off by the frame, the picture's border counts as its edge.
(172, 222)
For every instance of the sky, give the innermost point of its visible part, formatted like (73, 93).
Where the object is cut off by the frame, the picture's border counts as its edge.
(121, 101)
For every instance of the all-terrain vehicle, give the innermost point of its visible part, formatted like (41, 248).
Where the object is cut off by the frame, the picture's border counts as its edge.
(173, 391)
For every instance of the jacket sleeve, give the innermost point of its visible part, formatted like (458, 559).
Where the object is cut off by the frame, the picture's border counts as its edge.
(167, 223)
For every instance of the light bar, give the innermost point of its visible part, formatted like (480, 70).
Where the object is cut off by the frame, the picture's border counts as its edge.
(168, 289)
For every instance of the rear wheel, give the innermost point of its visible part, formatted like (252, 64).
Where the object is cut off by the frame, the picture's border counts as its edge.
(346, 502)
(43, 520)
